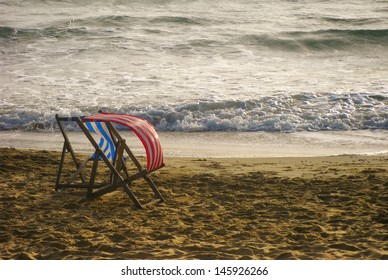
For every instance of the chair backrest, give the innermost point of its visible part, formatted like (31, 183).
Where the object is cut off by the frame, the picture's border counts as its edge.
(105, 142)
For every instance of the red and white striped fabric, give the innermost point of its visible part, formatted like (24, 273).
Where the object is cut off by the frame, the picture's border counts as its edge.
(143, 129)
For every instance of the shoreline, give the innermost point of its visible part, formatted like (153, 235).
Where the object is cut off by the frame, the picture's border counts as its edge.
(224, 144)
(230, 208)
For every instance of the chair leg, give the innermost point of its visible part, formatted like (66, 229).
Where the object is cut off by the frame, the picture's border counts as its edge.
(60, 167)
(132, 196)
(92, 176)
(154, 188)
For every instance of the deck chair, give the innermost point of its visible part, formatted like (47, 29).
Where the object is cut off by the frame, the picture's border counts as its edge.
(111, 149)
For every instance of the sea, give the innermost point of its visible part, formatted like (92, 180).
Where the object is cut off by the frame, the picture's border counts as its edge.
(275, 77)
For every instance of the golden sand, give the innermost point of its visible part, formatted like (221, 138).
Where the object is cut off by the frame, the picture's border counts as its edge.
(267, 208)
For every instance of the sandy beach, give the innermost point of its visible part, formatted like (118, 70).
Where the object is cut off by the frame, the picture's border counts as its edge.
(237, 208)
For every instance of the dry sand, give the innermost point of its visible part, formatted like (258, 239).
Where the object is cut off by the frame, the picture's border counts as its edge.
(268, 208)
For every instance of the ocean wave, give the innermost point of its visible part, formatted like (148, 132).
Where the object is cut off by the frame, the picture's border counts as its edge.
(116, 26)
(286, 113)
(320, 40)
(92, 26)
(125, 21)
(178, 20)
(352, 21)
(6, 31)
(13, 33)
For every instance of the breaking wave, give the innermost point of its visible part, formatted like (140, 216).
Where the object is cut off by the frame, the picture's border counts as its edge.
(285, 113)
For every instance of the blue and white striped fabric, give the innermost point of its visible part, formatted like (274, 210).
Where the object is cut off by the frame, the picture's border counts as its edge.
(105, 143)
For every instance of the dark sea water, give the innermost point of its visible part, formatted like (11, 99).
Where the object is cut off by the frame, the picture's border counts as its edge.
(196, 65)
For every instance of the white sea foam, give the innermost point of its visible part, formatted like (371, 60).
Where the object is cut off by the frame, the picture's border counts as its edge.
(286, 113)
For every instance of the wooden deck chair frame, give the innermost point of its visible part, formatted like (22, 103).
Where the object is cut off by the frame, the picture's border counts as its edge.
(115, 166)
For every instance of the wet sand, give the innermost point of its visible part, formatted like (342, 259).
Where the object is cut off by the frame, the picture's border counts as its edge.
(236, 208)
